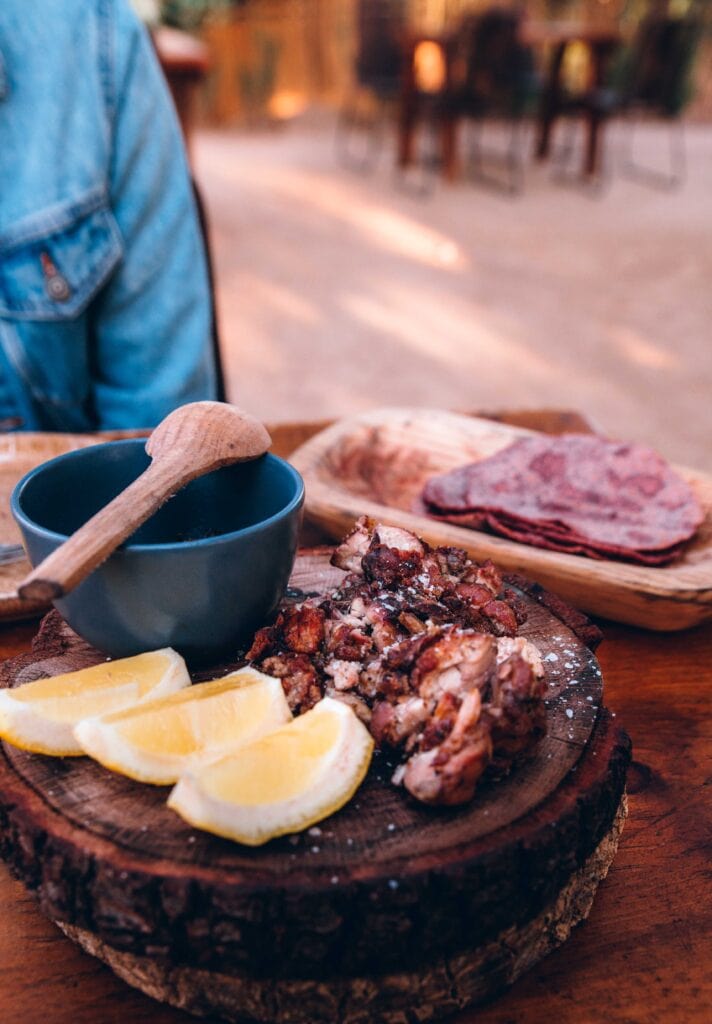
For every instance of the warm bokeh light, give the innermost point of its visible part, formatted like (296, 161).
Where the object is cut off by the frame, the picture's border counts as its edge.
(285, 105)
(577, 66)
(429, 66)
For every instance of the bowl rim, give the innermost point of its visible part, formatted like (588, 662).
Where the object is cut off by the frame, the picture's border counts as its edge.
(25, 522)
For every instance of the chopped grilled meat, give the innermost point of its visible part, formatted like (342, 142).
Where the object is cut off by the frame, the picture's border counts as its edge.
(422, 643)
(353, 547)
(516, 711)
(502, 618)
(393, 723)
(506, 646)
(345, 674)
(382, 565)
(303, 628)
(411, 622)
(346, 642)
(263, 643)
(448, 772)
(300, 679)
(474, 594)
(458, 661)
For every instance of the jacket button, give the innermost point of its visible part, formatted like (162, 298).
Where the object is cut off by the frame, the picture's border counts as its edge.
(58, 288)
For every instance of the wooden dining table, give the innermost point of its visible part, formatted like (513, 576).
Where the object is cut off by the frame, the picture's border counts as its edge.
(644, 955)
(550, 39)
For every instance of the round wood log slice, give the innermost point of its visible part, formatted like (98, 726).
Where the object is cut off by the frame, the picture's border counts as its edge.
(386, 905)
(436, 989)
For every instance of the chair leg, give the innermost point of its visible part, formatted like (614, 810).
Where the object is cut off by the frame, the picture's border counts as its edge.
(449, 132)
(564, 171)
(419, 177)
(475, 150)
(359, 137)
(652, 176)
(564, 153)
(422, 150)
(592, 161)
(514, 158)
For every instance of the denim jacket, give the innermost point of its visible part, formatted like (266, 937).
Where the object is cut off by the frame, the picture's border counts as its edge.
(104, 302)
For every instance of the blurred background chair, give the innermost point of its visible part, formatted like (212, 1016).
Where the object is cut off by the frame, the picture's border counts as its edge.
(658, 83)
(489, 75)
(649, 78)
(493, 77)
(363, 120)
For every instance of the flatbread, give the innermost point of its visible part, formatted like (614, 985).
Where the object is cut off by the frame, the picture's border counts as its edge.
(575, 493)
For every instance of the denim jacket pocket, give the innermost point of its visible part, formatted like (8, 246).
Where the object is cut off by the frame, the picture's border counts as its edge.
(53, 263)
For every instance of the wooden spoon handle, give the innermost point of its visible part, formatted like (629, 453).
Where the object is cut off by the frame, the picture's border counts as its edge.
(93, 542)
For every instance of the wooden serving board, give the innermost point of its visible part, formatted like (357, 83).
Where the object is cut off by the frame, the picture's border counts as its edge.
(387, 904)
(378, 462)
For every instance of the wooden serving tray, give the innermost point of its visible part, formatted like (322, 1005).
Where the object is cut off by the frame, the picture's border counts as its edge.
(378, 462)
(387, 906)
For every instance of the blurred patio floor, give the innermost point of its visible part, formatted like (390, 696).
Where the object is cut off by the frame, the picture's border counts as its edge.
(339, 292)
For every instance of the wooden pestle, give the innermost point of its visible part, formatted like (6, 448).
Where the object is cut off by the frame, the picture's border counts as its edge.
(193, 440)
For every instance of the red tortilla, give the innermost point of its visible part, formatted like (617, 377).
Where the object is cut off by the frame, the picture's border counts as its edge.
(498, 525)
(575, 493)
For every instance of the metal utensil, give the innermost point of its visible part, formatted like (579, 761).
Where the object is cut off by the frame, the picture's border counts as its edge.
(10, 553)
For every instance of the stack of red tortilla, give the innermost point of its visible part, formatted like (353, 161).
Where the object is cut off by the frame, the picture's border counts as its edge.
(576, 493)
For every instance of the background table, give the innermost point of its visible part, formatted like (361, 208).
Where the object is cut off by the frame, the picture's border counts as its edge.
(550, 37)
(643, 956)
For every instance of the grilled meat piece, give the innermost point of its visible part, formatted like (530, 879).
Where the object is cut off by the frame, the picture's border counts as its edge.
(448, 772)
(458, 661)
(474, 705)
(303, 629)
(516, 712)
(353, 547)
(300, 679)
(422, 643)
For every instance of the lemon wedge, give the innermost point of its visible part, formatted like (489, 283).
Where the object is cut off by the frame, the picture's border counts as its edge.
(284, 782)
(159, 740)
(40, 716)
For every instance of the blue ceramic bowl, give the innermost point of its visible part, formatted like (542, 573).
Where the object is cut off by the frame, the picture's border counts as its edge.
(201, 575)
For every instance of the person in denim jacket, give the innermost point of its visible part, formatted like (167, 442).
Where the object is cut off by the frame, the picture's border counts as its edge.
(105, 311)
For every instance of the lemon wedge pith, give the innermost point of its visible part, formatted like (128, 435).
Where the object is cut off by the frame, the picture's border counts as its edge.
(159, 740)
(40, 716)
(283, 782)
